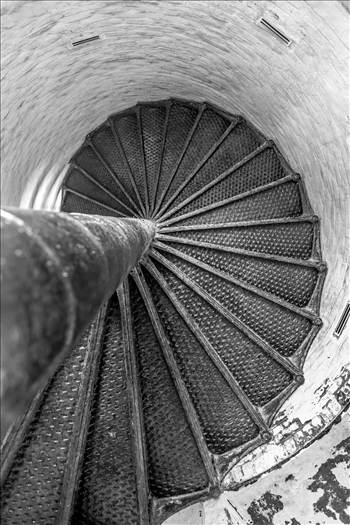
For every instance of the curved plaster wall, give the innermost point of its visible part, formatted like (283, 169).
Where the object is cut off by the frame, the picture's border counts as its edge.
(53, 95)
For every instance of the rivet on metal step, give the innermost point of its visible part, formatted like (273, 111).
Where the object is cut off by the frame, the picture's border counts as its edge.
(300, 379)
(266, 436)
(215, 492)
(321, 267)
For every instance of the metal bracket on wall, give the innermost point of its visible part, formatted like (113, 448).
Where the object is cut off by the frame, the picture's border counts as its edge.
(276, 31)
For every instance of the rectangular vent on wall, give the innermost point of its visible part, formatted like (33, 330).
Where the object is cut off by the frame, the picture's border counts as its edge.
(342, 321)
(85, 41)
(275, 31)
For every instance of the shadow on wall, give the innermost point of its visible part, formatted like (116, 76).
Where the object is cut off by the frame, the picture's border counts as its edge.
(43, 189)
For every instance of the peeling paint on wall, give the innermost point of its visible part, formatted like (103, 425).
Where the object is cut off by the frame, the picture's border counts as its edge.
(263, 510)
(293, 522)
(291, 436)
(310, 489)
(335, 500)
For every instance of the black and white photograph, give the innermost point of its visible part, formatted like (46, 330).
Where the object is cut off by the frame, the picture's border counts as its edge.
(175, 218)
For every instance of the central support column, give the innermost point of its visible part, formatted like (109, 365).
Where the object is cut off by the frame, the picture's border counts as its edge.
(57, 270)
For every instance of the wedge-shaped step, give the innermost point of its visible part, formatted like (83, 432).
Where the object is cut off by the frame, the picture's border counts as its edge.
(284, 329)
(279, 200)
(174, 463)
(250, 168)
(181, 122)
(223, 418)
(153, 125)
(238, 143)
(294, 283)
(107, 146)
(287, 239)
(107, 491)
(80, 203)
(208, 132)
(85, 188)
(35, 457)
(127, 126)
(94, 168)
(244, 358)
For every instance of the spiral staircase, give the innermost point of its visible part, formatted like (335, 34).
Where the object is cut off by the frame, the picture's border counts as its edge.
(186, 366)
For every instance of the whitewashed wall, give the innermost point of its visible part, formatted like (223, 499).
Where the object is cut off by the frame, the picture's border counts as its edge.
(53, 95)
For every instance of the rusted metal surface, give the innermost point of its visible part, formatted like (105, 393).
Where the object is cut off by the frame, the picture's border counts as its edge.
(57, 269)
